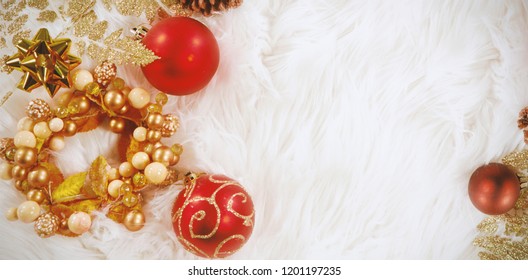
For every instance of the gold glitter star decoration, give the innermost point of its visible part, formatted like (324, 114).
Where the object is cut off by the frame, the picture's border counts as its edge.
(44, 61)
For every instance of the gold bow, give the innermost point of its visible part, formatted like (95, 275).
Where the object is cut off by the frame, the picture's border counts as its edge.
(45, 62)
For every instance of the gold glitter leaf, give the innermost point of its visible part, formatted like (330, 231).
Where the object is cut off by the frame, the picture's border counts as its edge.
(98, 177)
(17, 24)
(137, 7)
(107, 4)
(503, 248)
(88, 26)
(39, 4)
(488, 225)
(5, 98)
(70, 188)
(47, 16)
(125, 50)
(20, 35)
(6, 68)
(78, 48)
(112, 38)
(517, 160)
(78, 8)
(87, 205)
(12, 12)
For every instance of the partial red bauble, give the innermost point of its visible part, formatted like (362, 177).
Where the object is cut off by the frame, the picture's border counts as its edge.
(494, 188)
(188, 52)
(213, 216)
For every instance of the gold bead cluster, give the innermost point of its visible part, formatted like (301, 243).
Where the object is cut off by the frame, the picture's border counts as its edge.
(93, 99)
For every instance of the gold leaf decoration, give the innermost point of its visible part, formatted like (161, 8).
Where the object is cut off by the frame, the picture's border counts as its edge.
(12, 10)
(78, 48)
(125, 50)
(506, 236)
(47, 16)
(20, 35)
(137, 8)
(98, 177)
(517, 160)
(107, 4)
(88, 26)
(87, 205)
(133, 148)
(69, 189)
(39, 4)
(502, 248)
(5, 98)
(17, 23)
(89, 121)
(55, 175)
(77, 8)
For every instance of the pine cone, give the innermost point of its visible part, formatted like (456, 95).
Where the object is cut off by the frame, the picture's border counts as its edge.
(522, 122)
(206, 7)
(47, 224)
(38, 110)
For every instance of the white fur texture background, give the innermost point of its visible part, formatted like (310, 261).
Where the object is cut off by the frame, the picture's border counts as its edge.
(354, 125)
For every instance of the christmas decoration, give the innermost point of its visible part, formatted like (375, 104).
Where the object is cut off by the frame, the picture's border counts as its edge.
(44, 61)
(63, 205)
(213, 216)
(494, 188)
(206, 7)
(189, 55)
(522, 123)
(506, 236)
(59, 205)
(46, 225)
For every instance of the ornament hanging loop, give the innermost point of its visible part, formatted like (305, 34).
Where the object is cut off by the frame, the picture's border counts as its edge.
(139, 32)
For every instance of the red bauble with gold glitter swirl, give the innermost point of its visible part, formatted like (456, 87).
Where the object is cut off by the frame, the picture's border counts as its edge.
(213, 216)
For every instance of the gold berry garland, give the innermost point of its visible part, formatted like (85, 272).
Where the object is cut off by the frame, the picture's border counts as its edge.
(63, 205)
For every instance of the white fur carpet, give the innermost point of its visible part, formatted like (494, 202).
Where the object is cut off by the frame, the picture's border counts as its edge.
(354, 125)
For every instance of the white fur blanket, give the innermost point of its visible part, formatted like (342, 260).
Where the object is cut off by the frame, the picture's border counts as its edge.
(354, 125)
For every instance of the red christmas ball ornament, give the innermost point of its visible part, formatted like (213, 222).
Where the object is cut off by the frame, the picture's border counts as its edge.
(213, 216)
(188, 52)
(494, 188)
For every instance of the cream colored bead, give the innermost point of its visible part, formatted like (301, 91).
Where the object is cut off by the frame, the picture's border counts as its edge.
(56, 124)
(79, 222)
(41, 130)
(25, 139)
(57, 143)
(126, 169)
(140, 160)
(11, 214)
(25, 124)
(140, 134)
(113, 174)
(114, 187)
(81, 78)
(156, 172)
(28, 211)
(5, 171)
(138, 98)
